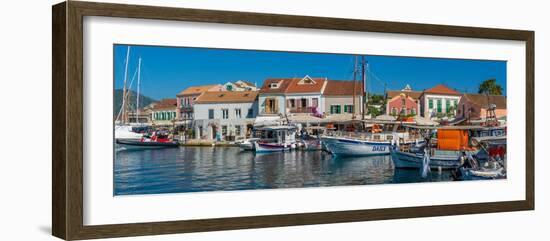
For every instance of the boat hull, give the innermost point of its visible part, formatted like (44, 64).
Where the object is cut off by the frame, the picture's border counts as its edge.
(414, 160)
(247, 145)
(138, 145)
(349, 147)
(271, 147)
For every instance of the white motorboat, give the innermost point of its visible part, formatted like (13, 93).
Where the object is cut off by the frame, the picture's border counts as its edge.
(125, 132)
(247, 144)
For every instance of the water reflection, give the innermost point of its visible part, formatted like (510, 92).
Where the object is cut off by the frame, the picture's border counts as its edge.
(193, 169)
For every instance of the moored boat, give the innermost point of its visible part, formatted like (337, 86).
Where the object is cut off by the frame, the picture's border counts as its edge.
(125, 132)
(138, 144)
(373, 144)
(247, 144)
(153, 142)
(276, 139)
(438, 160)
(443, 152)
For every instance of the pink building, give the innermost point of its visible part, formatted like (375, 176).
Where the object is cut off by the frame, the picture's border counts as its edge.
(403, 102)
(187, 97)
(475, 106)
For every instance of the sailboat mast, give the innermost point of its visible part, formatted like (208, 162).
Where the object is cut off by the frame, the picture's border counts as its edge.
(363, 85)
(354, 84)
(138, 82)
(124, 115)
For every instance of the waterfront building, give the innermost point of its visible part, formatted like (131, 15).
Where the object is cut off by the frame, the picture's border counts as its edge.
(187, 97)
(164, 112)
(476, 106)
(240, 85)
(439, 101)
(143, 116)
(282, 96)
(405, 102)
(338, 97)
(226, 115)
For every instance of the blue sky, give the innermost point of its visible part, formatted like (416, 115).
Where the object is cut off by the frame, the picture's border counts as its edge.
(166, 71)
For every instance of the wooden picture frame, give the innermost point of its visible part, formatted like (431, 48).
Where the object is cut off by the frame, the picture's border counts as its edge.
(67, 123)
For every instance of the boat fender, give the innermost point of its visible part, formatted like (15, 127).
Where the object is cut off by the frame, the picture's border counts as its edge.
(425, 164)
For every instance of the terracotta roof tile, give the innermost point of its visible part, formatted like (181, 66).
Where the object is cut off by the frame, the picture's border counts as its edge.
(412, 94)
(441, 89)
(293, 85)
(483, 101)
(283, 84)
(194, 90)
(165, 104)
(227, 97)
(297, 86)
(342, 87)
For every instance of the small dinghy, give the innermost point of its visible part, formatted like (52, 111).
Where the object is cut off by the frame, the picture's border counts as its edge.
(471, 169)
(247, 144)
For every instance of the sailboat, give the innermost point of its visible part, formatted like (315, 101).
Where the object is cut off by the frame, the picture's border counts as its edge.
(123, 129)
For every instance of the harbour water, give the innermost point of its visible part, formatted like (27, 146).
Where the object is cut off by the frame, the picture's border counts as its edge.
(197, 169)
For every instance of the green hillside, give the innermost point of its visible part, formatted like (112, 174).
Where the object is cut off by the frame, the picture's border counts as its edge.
(143, 101)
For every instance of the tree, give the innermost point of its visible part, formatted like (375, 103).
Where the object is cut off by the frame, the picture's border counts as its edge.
(490, 87)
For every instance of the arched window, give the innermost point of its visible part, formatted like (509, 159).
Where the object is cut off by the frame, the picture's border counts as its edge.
(413, 111)
(394, 111)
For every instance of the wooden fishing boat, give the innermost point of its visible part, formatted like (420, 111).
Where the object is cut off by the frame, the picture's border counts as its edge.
(311, 138)
(444, 152)
(276, 139)
(373, 144)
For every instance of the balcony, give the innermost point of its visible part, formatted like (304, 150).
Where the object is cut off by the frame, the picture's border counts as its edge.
(186, 109)
(308, 109)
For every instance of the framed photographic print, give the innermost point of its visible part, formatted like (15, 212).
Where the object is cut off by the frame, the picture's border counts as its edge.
(171, 120)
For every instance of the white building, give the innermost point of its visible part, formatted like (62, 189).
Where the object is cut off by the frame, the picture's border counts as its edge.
(438, 101)
(240, 85)
(279, 96)
(226, 115)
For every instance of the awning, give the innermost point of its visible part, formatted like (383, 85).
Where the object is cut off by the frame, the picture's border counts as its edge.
(267, 121)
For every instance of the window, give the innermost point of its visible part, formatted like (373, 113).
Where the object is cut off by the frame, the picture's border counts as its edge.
(237, 113)
(238, 130)
(430, 103)
(224, 130)
(335, 109)
(292, 103)
(348, 108)
(303, 102)
(229, 87)
(438, 105)
(413, 111)
(250, 113)
(403, 111)
(447, 106)
(210, 113)
(394, 111)
(315, 102)
(274, 85)
(225, 114)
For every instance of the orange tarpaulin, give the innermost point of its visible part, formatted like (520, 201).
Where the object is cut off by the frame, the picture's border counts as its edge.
(454, 140)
